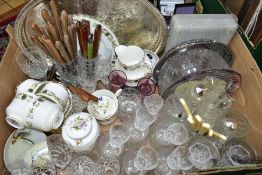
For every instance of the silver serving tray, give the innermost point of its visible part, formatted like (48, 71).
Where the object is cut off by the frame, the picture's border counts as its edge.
(133, 22)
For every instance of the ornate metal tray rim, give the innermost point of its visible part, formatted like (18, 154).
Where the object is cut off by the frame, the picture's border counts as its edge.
(23, 41)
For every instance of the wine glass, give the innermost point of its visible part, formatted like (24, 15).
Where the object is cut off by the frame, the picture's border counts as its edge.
(143, 119)
(117, 79)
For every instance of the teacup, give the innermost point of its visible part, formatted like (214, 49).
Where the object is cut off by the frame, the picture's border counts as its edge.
(32, 111)
(27, 85)
(105, 109)
(81, 131)
(133, 61)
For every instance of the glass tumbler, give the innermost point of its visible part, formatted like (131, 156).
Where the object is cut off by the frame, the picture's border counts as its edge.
(32, 61)
(143, 119)
(146, 86)
(146, 158)
(61, 154)
(153, 103)
(179, 159)
(108, 165)
(87, 74)
(82, 165)
(118, 134)
(129, 100)
(69, 71)
(117, 79)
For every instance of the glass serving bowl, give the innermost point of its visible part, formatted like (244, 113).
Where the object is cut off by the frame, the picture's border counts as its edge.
(188, 58)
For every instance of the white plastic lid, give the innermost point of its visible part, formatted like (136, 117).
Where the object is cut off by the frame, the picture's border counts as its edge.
(78, 125)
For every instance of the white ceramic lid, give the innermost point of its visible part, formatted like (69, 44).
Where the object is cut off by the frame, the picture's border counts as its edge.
(26, 85)
(78, 126)
(129, 56)
(105, 107)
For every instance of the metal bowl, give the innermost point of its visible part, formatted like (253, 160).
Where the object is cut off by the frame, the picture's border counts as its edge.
(133, 22)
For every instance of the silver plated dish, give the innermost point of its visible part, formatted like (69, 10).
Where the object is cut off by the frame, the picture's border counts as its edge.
(133, 22)
(188, 58)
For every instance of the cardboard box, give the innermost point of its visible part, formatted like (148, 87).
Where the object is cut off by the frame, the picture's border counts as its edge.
(248, 99)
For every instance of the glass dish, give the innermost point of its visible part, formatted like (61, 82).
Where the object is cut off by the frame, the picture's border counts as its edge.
(176, 63)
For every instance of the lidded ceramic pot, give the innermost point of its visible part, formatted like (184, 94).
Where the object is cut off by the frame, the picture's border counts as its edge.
(105, 109)
(80, 131)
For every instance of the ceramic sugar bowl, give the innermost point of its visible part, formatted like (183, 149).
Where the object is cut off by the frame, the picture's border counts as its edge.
(80, 131)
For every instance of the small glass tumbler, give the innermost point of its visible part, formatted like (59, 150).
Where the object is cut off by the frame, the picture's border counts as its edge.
(146, 158)
(117, 79)
(106, 149)
(107, 165)
(87, 74)
(61, 155)
(43, 166)
(82, 165)
(176, 134)
(179, 159)
(203, 152)
(238, 152)
(143, 119)
(32, 61)
(128, 164)
(153, 104)
(129, 100)
(118, 134)
(146, 86)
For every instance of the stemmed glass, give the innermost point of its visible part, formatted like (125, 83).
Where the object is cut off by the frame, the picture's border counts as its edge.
(146, 158)
(32, 61)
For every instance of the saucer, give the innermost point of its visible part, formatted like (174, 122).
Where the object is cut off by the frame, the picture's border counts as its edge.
(150, 57)
(18, 143)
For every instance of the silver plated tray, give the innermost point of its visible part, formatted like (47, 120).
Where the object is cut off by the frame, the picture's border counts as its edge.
(188, 58)
(133, 22)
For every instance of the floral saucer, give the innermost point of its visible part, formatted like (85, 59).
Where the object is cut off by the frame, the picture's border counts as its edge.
(18, 143)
